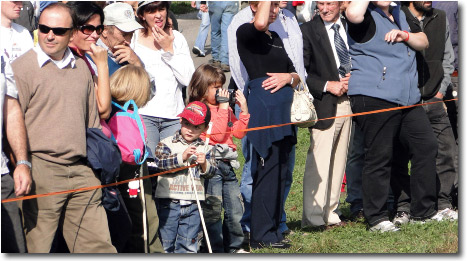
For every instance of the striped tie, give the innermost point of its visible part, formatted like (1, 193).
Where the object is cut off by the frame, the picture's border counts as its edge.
(342, 52)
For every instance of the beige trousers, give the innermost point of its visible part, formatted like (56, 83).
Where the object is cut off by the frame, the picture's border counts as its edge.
(80, 215)
(324, 169)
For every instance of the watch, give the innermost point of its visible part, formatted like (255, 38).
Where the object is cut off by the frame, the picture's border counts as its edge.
(25, 162)
(291, 82)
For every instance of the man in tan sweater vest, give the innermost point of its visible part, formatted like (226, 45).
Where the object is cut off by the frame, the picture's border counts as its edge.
(57, 97)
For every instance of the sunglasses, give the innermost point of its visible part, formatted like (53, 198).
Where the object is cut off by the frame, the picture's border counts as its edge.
(56, 30)
(89, 29)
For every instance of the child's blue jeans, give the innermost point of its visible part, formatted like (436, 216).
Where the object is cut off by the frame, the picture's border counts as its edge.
(222, 191)
(178, 225)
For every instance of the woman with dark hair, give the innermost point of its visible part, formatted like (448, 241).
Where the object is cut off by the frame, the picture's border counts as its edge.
(270, 98)
(166, 57)
(88, 17)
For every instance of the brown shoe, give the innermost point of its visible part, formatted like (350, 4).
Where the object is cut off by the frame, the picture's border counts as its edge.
(340, 224)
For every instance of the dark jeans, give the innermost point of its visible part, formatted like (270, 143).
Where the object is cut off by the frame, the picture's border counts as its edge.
(222, 191)
(447, 150)
(353, 170)
(381, 132)
(268, 193)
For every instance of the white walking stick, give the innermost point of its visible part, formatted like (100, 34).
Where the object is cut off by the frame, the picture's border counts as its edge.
(196, 192)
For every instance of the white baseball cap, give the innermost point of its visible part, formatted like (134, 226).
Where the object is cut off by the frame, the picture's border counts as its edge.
(122, 16)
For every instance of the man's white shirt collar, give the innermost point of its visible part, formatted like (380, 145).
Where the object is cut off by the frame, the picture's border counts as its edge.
(328, 25)
(43, 58)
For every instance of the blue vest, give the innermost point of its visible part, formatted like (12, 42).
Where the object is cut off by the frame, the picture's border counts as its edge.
(384, 70)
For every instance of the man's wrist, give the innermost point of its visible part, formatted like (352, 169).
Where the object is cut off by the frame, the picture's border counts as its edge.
(24, 162)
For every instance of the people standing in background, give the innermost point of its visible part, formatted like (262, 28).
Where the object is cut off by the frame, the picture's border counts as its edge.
(203, 14)
(221, 14)
(15, 39)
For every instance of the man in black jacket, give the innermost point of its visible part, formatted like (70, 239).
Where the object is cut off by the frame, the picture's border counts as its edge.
(327, 63)
(434, 66)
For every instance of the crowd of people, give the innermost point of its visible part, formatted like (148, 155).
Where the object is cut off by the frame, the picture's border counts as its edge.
(73, 67)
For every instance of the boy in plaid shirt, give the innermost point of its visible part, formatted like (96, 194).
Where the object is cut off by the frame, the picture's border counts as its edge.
(175, 196)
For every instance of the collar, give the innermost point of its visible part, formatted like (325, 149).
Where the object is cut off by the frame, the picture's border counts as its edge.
(394, 9)
(43, 58)
(328, 25)
(103, 45)
(178, 138)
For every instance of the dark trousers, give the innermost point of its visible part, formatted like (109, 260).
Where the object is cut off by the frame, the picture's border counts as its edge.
(268, 192)
(383, 131)
(12, 228)
(447, 150)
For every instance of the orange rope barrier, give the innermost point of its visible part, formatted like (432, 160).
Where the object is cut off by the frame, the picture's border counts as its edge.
(182, 168)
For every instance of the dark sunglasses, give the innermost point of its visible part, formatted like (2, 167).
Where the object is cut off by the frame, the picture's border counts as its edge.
(56, 30)
(89, 29)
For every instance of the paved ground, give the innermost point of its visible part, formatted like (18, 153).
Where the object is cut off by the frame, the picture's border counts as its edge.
(188, 25)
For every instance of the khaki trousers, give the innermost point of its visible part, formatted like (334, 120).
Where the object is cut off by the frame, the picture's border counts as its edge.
(324, 169)
(80, 215)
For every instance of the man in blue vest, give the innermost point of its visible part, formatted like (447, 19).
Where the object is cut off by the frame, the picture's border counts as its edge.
(120, 23)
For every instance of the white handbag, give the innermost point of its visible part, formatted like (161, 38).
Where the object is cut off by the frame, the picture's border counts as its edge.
(303, 111)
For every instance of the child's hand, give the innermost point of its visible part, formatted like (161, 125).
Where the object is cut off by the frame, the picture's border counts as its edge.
(241, 101)
(224, 93)
(188, 152)
(201, 160)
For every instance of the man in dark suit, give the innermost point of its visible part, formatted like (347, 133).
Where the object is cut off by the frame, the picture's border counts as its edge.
(327, 63)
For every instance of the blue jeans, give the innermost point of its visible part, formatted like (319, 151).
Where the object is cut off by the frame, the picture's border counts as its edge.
(178, 225)
(246, 183)
(158, 129)
(221, 13)
(222, 191)
(203, 30)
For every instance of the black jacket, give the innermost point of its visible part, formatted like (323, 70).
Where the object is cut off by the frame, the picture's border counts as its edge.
(321, 67)
(429, 61)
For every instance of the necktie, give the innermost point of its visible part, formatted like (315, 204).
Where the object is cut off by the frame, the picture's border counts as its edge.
(342, 51)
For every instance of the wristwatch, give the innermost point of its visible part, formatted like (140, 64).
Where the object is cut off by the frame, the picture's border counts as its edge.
(25, 162)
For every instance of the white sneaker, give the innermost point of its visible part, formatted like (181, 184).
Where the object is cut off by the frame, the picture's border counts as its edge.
(445, 214)
(401, 218)
(384, 226)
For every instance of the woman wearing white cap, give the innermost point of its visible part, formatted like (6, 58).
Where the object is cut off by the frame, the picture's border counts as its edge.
(166, 57)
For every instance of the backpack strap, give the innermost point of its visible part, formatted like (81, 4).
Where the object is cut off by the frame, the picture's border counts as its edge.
(137, 118)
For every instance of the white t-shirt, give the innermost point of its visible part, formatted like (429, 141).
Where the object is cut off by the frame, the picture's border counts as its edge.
(7, 87)
(15, 41)
(168, 73)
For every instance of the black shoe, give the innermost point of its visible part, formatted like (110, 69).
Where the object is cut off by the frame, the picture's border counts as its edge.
(246, 240)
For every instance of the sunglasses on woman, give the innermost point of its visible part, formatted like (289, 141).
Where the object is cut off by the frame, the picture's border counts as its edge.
(89, 29)
(56, 30)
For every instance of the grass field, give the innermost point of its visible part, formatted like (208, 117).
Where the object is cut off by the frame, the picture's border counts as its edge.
(435, 237)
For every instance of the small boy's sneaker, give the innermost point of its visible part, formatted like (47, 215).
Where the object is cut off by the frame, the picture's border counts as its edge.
(384, 226)
(401, 218)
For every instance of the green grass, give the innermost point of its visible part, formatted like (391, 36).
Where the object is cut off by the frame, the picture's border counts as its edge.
(181, 7)
(435, 237)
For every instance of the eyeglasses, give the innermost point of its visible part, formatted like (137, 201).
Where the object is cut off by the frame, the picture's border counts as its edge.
(89, 29)
(56, 30)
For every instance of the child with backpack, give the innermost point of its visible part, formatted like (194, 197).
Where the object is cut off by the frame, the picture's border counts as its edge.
(222, 190)
(130, 89)
(175, 194)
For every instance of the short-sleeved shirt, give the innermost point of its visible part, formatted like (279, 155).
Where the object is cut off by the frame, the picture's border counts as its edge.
(15, 41)
(261, 53)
